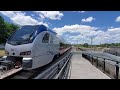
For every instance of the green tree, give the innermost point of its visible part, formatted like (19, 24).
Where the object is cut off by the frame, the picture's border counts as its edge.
(3, 32)
(6, 29)
(85, 45)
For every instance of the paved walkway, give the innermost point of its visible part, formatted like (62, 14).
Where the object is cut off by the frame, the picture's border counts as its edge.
(83, 69)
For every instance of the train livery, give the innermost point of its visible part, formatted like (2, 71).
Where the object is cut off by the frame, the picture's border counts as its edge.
(33, 46)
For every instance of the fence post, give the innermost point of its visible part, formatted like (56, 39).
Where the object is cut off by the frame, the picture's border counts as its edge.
(92, 59)
(116, 53)
(97, 62)
(88, 57)
(117, 71)
(104, 65)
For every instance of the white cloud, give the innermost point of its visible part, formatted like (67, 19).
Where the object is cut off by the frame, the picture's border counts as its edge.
(53, 15)
(32, 15)
(85, 32)
(10, 13)
(82, 11)
(113, 31)
(42, 16)
(89, 19)
(108, 36)
(118, 19)
(23, 20)
(74, 28)
(19, 17)
(79, 11)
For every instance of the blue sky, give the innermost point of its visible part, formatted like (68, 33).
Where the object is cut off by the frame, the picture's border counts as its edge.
(73, 26)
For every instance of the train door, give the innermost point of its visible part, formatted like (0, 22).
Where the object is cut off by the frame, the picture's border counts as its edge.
(54, 46)
(47, 57)
(45, 42)
(51, 45)
(44, 58)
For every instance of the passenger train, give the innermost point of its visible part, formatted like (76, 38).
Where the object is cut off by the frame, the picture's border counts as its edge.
(33, 46)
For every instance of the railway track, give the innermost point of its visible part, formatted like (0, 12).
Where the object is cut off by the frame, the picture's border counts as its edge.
(30, 74)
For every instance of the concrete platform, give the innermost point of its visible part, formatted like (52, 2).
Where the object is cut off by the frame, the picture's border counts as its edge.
(83, 69)
(10, 72)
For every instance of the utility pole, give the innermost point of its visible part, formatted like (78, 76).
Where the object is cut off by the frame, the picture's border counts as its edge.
(91, 42)
(77, 44)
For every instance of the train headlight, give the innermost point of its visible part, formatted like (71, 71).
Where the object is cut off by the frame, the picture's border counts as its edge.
(6, 52)
(25, 53)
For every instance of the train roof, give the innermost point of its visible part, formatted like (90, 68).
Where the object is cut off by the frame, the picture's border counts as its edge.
(40, 28)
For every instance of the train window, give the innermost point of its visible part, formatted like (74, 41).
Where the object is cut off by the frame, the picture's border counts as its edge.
(46, 38)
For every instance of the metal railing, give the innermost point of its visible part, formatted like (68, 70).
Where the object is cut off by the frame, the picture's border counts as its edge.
(59, 70)
(114, 52)
(105, 58)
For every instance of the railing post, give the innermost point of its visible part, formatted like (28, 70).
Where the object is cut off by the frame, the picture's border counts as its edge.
(92, 59)
(116, 53)
(88, 57)
(117, 71)
(104, 65)
(58, 68)
(82, 55)
(97, 62)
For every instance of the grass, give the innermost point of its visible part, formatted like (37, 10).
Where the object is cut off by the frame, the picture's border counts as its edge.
(2, 53)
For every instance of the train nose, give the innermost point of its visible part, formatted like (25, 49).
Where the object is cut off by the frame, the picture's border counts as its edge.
(13, 51)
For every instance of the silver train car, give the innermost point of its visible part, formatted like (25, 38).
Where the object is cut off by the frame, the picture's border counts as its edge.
(33, 46)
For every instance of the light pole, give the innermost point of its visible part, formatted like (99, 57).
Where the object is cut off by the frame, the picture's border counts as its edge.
(91, 42)
(91, 38)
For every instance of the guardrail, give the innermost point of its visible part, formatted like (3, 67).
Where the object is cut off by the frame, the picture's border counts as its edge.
(59, 70)
(114, 52)
(106, 58)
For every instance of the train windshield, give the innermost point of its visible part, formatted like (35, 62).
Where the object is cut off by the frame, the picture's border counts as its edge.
(23, 36)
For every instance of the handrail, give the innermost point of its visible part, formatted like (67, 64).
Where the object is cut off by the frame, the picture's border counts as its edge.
(53, 68)
(105, 57)
(61, 69)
